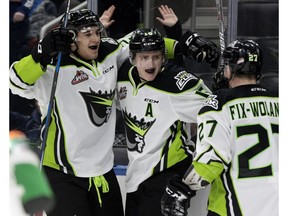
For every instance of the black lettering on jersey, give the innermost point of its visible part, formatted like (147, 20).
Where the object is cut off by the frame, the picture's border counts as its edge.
(149, 111)
(208, 124)
(254, 109)
(238, 111)
(200, 131)
(246, 170)
(263, 109)
(151, 100)
(108, 69)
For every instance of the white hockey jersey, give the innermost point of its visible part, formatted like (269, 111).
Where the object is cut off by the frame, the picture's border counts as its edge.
(154, 113)
(82, 127)
(239, 128)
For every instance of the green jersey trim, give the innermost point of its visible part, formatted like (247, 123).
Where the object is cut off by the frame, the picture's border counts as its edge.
(26, 65)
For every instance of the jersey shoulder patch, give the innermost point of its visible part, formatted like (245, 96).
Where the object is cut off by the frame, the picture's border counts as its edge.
(175, 79)
(109, 40)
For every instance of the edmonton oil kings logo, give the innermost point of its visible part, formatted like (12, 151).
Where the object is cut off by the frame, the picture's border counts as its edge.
(136, 130)
(99, 105)
(79, 77)
(182, 78)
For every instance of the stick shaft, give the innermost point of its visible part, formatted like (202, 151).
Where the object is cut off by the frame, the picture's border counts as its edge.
(52, 95)
(220, 13)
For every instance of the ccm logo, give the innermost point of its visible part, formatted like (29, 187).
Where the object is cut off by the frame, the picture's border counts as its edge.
(178, 196)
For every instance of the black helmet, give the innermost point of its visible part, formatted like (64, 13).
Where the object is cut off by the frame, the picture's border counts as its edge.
(244, 57)
(146, 40)
(82, 18)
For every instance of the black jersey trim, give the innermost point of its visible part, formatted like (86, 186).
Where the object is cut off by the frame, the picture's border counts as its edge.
(59, 134)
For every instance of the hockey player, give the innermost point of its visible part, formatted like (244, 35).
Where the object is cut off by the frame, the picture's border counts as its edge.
(156, 99)
(237, 143)
(78, 158)
(81, 134)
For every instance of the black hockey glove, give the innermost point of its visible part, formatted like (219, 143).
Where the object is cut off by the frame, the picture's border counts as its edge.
(212, 54)
(57, 40)
(199, 48)
(219, 81)
(176, 199)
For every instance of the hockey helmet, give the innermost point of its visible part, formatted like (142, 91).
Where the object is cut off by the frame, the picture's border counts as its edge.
(244, 57)
(82, 18)
(146, 40)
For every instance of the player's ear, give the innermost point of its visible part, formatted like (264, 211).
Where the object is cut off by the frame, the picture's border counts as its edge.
(73, 47)
(227, 72)
(132, 58)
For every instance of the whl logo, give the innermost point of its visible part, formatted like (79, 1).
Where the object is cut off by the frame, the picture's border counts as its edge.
(79, 77)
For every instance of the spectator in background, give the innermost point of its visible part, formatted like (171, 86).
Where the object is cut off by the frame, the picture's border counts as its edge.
(23, 112)
(19, 11)
(62, 8)
(44, 13)
(19, 23)
(127, 16)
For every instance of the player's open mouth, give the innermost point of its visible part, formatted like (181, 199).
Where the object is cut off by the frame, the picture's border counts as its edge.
(94, 47)
(150, 70)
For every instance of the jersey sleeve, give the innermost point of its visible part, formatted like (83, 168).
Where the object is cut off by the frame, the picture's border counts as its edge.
(213, 144)
(124, 46)
(189, 102)
(175, 31)
(23, 75)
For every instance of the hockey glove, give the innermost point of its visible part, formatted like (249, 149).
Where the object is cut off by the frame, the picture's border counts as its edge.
(199, 48)
(219, 81)
(57, 40)
(176, 199)
(212, 54)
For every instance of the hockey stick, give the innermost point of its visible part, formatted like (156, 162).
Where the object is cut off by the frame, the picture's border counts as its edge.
(51, 101)
(52, 95)
(221, 33)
